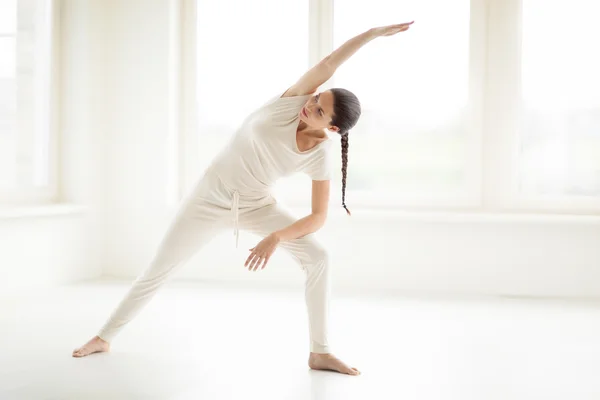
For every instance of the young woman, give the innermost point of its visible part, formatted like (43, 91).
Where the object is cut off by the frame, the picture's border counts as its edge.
(285, 135)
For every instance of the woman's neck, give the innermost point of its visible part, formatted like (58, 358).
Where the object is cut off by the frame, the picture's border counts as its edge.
(307, 131)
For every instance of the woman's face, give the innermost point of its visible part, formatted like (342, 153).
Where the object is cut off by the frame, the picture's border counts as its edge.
(318, 111)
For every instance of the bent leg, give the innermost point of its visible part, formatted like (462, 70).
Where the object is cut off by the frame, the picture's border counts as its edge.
(313, 259)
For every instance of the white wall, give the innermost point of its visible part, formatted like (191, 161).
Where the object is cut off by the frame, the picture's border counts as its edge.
(403, 253)
(371, 250)
(68, 245)
(137, 148)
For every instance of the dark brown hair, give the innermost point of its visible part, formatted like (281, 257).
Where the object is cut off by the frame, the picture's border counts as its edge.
(346, 112)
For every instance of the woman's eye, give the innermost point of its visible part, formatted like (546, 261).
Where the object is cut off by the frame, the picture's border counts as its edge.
(320, 111)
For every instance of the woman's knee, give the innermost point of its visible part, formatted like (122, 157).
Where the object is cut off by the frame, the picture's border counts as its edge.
(318, 255)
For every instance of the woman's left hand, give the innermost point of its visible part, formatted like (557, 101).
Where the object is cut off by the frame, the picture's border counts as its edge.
(391, 29)
(262, 252)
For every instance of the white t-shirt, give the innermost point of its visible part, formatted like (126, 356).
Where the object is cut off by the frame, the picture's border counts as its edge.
(264, 149)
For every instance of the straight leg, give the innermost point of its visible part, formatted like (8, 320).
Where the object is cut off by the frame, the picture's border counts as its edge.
(202, 215)
(191, 229)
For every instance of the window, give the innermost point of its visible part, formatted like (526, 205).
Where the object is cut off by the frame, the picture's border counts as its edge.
(559, 153)
(26, 160)
(412, 141)
(247, 52)
(485, 105)
(8, 92)
(244, 58)
(413, 135)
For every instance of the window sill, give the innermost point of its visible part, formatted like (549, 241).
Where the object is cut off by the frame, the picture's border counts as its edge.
(45, 210)
(450, 216)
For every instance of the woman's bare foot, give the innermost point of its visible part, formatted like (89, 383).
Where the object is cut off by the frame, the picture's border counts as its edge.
(331, 363)
(95, 345)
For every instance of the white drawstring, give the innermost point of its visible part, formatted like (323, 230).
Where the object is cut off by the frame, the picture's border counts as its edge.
(234, 208)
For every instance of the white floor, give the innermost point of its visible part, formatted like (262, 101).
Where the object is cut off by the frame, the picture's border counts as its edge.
(205, 342)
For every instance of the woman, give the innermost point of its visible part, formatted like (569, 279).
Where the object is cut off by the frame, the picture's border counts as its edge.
(285, 135)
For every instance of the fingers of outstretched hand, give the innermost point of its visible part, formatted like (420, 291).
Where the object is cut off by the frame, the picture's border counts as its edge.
(400, 28)
(265, 261)
(259, 257)
(250, 258)
(253, 259)
(393, 29)
(255, 262)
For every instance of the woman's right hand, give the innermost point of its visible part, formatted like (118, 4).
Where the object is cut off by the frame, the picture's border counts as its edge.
(391, 29)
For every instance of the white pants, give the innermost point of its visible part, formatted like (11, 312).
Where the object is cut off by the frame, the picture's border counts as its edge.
(209, 209)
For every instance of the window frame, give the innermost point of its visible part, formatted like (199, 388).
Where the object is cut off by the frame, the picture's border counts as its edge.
(503, 105)
(50, 192)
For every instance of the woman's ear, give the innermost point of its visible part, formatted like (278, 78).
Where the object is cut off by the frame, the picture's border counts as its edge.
(333, 128)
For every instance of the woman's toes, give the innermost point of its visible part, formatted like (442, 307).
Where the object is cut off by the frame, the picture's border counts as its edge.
(78, 352)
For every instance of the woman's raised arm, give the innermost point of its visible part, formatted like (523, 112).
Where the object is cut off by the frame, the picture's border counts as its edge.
(320, 73)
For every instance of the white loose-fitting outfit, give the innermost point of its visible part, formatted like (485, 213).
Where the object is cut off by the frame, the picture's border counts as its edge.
(234, 193)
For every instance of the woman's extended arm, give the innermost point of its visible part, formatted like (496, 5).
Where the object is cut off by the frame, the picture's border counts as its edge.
(320, 73)
(261, 253)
